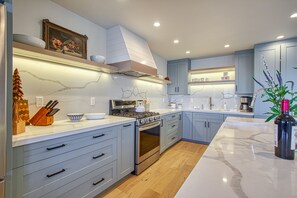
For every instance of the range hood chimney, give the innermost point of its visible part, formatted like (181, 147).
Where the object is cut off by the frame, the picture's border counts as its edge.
(129, 52)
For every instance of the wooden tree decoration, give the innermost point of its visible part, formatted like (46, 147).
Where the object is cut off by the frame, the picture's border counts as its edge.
(20, 106)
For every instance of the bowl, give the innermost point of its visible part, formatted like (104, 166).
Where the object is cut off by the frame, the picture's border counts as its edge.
(75, 117)
(97, 58)
(30, 40)
(95, 116)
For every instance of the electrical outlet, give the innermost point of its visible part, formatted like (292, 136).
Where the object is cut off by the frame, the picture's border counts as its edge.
(92, 101)
(39, 101)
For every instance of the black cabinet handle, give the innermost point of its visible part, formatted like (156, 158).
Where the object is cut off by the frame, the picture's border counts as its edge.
(173, 126)
(98, 136)
(161, 123)
(180, 116)
(61, 171)
(205, 124)
(95, 183)
(208, 124)
(172, 138)
(98, 156)
(173, 116)
(56, 147)
(127, 125)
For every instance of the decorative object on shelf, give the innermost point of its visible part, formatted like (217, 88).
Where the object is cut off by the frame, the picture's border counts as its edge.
(75, 117)
(97, 59)
(65, 41)
(45, 115)
(276, 92)
(284, 133)
(30, 40)
(20, 106)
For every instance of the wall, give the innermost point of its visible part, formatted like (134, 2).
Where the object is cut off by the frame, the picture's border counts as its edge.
(73, 87)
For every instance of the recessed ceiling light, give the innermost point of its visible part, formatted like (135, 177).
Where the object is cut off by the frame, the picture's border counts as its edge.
(157, 24)
(188, 52)
(226, 46)
(294, 15)
(280, 37)
(176, 41)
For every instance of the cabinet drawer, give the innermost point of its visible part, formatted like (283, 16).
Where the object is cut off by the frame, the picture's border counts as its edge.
(174, 116)
(208, 116)
(88, 185)
(172, 139)
(42, 150)
(54, 172)
(172, 126)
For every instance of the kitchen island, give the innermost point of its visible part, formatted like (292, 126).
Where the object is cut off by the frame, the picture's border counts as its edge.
(240, 162)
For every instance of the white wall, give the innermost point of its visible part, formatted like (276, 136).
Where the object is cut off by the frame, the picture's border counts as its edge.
(73, 87)
(219, 61)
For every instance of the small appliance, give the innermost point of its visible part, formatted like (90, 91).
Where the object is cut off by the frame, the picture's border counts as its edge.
(245, 102)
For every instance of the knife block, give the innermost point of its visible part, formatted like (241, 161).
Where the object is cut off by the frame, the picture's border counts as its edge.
(40, 118)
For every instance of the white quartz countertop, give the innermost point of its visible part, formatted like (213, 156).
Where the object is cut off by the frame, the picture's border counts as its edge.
(169, 111)
(240, 162)
(64, 128)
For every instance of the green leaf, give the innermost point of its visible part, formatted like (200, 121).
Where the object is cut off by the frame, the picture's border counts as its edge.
(270, 117)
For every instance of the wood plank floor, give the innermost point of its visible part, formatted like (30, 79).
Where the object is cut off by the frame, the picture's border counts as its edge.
(162, 179)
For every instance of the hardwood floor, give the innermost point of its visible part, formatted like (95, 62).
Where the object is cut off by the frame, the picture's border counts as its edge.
(162, 179)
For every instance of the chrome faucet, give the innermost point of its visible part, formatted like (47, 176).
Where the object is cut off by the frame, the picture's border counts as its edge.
(210, 103)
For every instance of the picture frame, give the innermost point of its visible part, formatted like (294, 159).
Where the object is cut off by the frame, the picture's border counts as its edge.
(62, 40)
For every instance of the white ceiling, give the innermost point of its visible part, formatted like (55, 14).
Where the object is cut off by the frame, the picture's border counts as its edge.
(202, 26)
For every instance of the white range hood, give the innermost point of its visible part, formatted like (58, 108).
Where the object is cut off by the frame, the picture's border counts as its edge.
(130, 53)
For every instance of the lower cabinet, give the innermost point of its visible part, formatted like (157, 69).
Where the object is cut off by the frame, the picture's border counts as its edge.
(171, 130)
(81, 165)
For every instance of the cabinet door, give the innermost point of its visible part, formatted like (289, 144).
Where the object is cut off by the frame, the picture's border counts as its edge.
(199, 130)
(289, 62)
(213, 127)
(163, 134)
(173, 76)
(187, 125)
(126, 148)
(244, 65)
(183, 72)
(271, 53)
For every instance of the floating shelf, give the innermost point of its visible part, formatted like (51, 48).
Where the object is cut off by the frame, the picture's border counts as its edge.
(155, 79)
(23, 50)
(212, 70)
(212, 82)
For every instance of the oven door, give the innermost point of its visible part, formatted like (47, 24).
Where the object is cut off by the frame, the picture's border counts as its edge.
(147, 141)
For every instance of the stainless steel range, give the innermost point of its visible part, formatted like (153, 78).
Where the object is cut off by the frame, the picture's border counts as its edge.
(147, 131)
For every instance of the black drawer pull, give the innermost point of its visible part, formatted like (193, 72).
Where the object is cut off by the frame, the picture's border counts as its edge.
(98, 136)
(127, 125)
(173, 126)
(172, 138)
(56, 147)
(173, 116)
(98, 156)
(61, 171)
(95, 183)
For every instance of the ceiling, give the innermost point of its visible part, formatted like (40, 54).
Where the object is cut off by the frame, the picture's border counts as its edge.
(201, 26)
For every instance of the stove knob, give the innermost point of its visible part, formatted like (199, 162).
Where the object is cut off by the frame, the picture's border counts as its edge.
(151, 119)
(142, 121)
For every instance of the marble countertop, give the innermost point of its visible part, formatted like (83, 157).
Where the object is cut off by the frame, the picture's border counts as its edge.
(240, 162)
(64, 128)
(169, 111)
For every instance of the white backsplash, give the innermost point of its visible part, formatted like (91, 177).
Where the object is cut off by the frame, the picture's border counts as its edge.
(199, 95)
(74, 87)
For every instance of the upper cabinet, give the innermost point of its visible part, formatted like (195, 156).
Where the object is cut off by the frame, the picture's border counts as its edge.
(278, 56)
(178, 74)
(244, 66)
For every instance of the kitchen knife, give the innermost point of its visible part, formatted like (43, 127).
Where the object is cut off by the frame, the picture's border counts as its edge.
(52, 112)
(48, 104)
(53, 104)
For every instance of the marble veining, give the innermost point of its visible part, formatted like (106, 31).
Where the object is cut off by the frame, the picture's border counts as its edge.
(134, 92)
(240, 162)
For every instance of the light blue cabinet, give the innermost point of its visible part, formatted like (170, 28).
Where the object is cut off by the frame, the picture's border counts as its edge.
(126, 138)
(187, 125)
(177, 71)
(244, 68)
(279, 56)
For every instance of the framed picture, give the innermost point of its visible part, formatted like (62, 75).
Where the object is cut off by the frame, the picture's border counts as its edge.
(65, 41)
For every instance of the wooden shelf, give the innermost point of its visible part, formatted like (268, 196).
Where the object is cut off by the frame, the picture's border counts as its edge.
(212, 70)
(155, 79)
(212, 82)
(23, 50)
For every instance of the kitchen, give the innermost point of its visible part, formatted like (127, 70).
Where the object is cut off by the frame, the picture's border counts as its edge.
(74, 87)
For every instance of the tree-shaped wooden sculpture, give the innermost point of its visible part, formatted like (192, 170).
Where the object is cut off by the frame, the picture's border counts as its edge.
(20, 106)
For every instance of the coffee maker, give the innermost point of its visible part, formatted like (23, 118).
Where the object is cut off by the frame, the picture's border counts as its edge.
(245, 102)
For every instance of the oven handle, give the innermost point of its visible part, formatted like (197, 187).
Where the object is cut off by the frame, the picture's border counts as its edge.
(149, 126)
